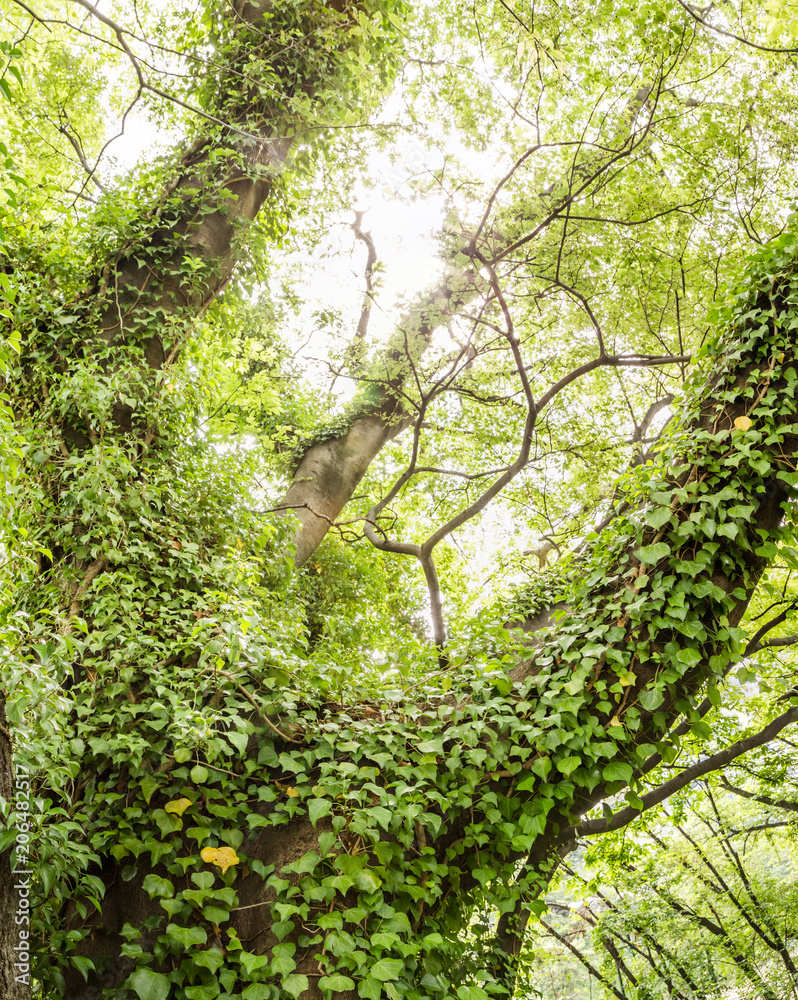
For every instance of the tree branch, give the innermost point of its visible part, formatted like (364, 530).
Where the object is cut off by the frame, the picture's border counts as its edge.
(764, 799)
(698, 770)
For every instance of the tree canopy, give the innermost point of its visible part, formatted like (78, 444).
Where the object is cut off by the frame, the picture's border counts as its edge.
(362, 579)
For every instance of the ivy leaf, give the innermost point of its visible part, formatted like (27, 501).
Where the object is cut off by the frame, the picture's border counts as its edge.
(239, 740)
(148, 786)
(157, 886)
(336, 983)
(370, 989)
(83, 965)
(177, 806)
(295, 984)
(701, 729)
(568, 765)
(658, 516)
(318, 808)
(149, 985)
(258, 991)
(471, 993)
(382, 815)
(387, 969)
(651, 554)
(689, 657)
(187, 936)
(616, 771)
(651, 699)
(201, 992)
(222, 857)
(252, 962)
(283, 962)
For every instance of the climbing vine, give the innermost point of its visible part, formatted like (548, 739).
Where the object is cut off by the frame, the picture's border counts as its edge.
(277, 838)
(220, 814)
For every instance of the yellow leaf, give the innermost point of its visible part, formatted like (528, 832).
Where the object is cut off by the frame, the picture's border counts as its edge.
(177, 806)
(222, 857)
(615, 721)
(743, 423)
(292, 793)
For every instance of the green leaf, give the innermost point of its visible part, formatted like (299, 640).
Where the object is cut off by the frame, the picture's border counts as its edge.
(651, 554)
(568, 765)
(336, 983)
(651, 699)
(239, 740)
(187, 936)
(689, 657)
(471, 993)
(149, 985)
(617, 771)
(387, 969)
(370, 989)
(148, 786)
(295, 984)
(157, 886)
(658, 516)
(83, 965)
(253, 962)
(259, 991)
(318, 808)
(283, 961)
(202, 992)
(701, 729)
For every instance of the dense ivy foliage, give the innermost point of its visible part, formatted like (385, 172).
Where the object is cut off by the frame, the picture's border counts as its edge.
(196, 723)
(240, 797)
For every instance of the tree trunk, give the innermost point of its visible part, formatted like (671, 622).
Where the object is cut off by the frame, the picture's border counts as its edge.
(619, 665)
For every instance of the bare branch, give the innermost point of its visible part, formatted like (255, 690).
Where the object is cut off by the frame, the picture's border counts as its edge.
(764, 799)
(730, 34)
(76, 144)
(371, 260)
(698, 770)
(594, 972)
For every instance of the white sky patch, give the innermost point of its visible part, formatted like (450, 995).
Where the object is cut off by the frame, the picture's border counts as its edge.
(141, 140)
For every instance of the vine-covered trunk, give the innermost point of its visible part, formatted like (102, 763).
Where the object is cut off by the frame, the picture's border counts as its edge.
(340, 848)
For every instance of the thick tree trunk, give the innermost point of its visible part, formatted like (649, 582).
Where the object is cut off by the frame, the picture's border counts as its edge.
(329, 472)
(641, 650)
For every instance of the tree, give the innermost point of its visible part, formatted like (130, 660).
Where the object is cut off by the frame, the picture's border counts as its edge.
(251, 813)
(700, 904)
